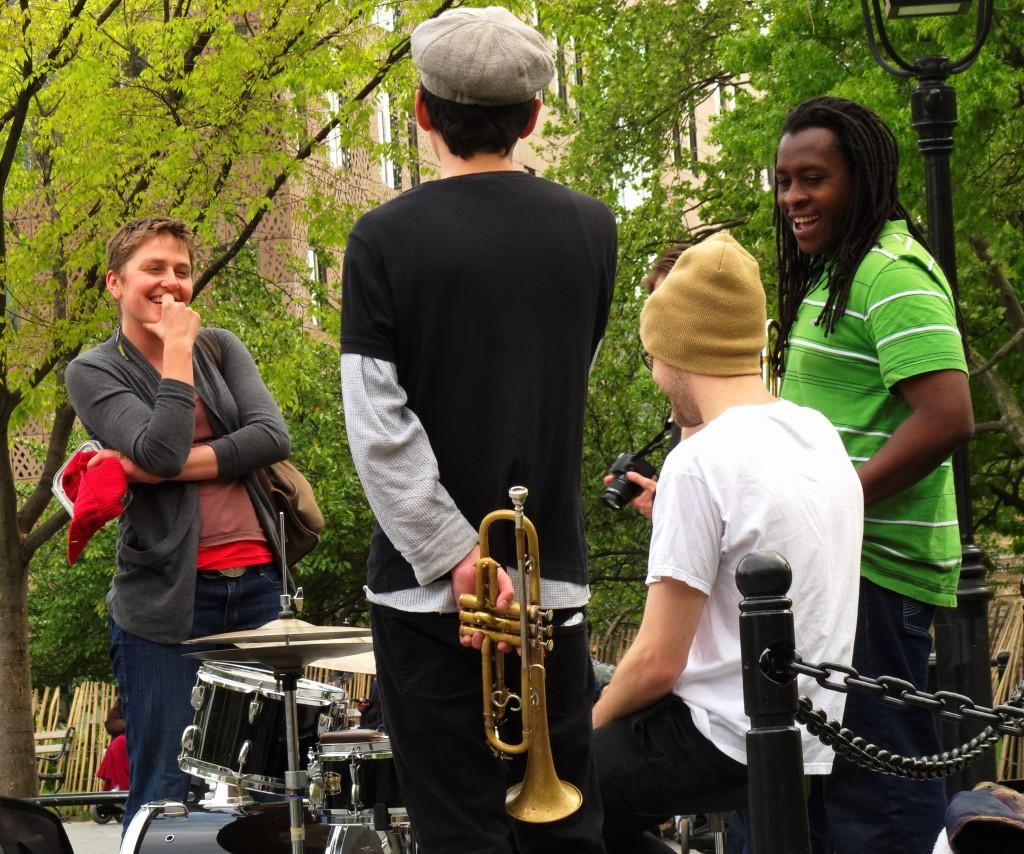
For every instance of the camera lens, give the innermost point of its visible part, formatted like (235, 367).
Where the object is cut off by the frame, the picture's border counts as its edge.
(619, 492)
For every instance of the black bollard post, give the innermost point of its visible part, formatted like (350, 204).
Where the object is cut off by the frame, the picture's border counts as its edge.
(775, 768)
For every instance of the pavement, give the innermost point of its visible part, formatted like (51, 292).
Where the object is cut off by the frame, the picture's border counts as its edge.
(87, 837)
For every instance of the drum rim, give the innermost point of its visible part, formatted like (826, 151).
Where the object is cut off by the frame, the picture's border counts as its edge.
(364, 749)
(398, 817)
(306, 690)
(219, 774)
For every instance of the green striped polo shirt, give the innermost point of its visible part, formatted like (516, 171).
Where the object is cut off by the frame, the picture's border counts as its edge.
(899, 322)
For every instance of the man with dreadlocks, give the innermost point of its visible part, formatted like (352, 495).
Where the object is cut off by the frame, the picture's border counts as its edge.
(870, 337)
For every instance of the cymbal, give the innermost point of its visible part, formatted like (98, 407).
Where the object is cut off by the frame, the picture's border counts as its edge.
(349, 662)
(283, 656)
(283, 631)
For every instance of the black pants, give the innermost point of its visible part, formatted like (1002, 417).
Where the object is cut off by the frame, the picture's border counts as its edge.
(652, 765)
(453, 786)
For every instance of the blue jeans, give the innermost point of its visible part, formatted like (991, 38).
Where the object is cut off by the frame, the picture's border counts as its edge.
(155, 680)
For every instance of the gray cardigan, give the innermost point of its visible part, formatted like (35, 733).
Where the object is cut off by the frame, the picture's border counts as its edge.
(125, 405)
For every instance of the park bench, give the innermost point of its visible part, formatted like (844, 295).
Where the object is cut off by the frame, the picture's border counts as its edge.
(53, 749)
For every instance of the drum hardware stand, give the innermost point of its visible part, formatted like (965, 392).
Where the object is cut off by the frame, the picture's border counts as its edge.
(291, 604)
(295, 779)
(225, 796)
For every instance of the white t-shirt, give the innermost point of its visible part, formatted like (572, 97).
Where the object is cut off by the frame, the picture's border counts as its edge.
(771, 476)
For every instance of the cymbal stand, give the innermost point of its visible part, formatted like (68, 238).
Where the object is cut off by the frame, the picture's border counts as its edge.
(291, 604)
(295, 778)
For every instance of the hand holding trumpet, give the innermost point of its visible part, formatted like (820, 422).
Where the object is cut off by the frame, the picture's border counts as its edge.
(464, 582)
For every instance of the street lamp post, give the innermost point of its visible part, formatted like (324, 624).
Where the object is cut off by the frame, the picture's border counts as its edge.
(961, 634)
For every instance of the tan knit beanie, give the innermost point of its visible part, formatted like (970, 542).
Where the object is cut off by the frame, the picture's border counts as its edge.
(708, 316)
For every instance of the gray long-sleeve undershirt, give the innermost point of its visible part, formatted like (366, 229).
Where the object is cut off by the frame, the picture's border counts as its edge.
(400, 476)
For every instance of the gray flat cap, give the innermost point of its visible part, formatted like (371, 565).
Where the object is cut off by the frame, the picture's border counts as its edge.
(481, 56)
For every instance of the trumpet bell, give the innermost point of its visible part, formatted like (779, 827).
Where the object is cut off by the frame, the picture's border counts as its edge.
(543, 805)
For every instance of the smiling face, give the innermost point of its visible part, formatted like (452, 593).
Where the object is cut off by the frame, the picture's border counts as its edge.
(813, 189)
(159, 266)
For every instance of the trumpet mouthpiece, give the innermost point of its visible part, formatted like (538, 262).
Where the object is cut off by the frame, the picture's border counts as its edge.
(518, 495)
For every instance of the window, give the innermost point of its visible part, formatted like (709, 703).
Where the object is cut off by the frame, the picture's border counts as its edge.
(390, 172)
(13, 318)
(677, 144)
(414, 151)
(317, 266)
(338, 155)
(577, 62)
(563, 87)
(725, 97)
(691, 122)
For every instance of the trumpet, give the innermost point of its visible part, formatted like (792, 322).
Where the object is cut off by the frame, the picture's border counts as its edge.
(541, 796)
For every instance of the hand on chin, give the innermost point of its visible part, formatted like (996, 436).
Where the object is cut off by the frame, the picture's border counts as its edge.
(177, 323)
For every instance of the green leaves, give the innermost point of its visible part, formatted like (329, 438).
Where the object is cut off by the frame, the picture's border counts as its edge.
(215, 111)
(644, 65)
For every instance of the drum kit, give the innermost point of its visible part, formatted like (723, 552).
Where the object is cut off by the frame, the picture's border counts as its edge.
(288, 766)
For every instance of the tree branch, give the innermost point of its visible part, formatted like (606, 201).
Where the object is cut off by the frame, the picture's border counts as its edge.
(1014, 310)
(989, 427)
(1012, 415)
(41, 533)
(1002, 351)
(1007, 498)
(36, 503)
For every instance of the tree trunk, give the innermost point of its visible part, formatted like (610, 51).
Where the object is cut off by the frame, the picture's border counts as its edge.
(17, 759)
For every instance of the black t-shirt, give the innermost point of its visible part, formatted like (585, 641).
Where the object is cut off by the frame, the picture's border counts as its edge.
(490, 293)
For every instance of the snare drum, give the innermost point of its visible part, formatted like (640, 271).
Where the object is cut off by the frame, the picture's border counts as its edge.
(238, 736)
(353, 781)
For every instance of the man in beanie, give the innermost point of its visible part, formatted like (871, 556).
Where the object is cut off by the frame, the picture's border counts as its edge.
(472, 309)
(757, 473)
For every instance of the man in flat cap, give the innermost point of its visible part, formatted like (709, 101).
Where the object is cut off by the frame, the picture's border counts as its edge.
(472, 309)
(757, 473)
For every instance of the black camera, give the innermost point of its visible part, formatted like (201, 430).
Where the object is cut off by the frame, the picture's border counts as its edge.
(621, 490)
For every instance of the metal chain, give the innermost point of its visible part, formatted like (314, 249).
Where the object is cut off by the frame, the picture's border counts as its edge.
(1004, 719)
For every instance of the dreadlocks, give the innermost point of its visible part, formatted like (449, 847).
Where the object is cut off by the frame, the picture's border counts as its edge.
(872, 157)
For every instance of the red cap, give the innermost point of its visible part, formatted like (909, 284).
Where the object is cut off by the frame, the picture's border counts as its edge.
(98, 495)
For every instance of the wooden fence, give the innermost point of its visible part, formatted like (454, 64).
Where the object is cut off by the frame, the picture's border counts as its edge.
(1006, 632)
(86, 713)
